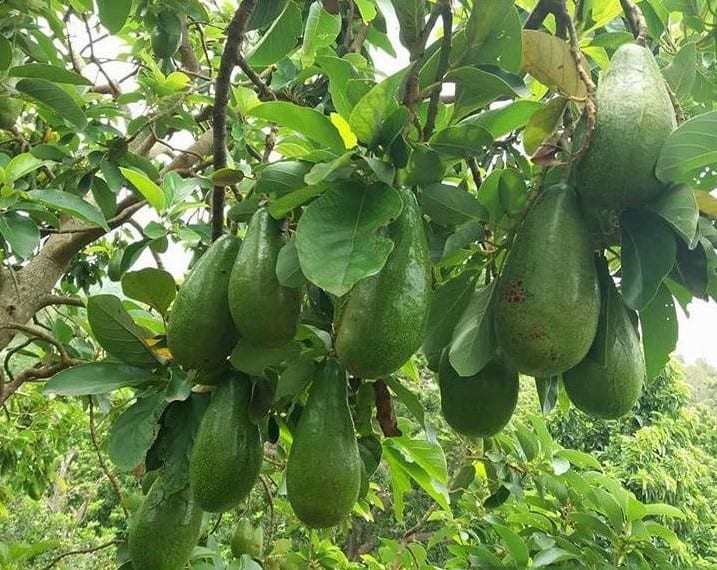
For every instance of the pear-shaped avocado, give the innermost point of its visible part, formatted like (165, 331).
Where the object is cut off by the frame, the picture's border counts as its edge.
(634, 117)
(382, 320)
(265, 312)
(200, 332)
(227, 452)
(165, 530)
(247, 539)
(607, 385)
(479, 405)
(323, 473)
(547, 300)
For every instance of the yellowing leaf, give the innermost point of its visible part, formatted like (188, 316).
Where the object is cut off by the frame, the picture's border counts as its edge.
(344, 129)
(707, 204)
(548, 59)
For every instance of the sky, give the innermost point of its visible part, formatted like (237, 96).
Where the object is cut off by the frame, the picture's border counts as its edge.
(697, 338)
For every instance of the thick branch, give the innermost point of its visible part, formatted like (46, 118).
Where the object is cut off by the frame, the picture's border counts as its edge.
(48, 300)
(186, 53)
(232, 47)
(539, 13)
(636, 19)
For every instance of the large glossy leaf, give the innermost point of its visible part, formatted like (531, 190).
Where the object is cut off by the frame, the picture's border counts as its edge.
(473, 341)
(450, 205)
(54, 97)
(475, 88)
(280, 39)
(20, 232)
(689, 149)
(155, 287)
(320, 31)
(542, 124)
(21, 165)
(492, 35)
(308, 122)
(411, 16)
(134, 431)
(517, 547)
(338, 237)
(552, 555)
(149, 190)
(97, 378)
(547, 58)
(500, 122)
(117, 333)
(461, 141)
(648, 255)
(288, 268)
(114, 13)
(678, 207)
(370, 113)
(49, 72)
(548, 390)
(265, 12)
(682, 70)
(691, 269)
(658, 321)
(340, 72)
(69, 204)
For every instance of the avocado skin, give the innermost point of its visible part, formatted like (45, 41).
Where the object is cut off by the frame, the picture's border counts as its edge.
(247, 539)
(265, 312)
(227, 453)
(323, 472)
(479, 405)
(609, 391)
(634, 117)
(200, 332)
(381, 322)
(547, 300)
(165, 530)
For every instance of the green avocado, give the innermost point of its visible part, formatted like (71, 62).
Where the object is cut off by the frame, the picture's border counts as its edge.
(323, 473)
(382, 320)
(200, 332)
(547, 300)
(165, 530)
(479, 405)
(607, 387)
(227, 452)
(634, 117)
(10, 109)
(247, 539)
(265, 312)
(166, 35)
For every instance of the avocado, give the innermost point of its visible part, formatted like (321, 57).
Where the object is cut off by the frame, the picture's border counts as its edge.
(227, 453)
(10, 109)
(608, 385)
(634, 117)
(547, 299)
(265, 312)
(200, 332)
(323, 472)
(479, 405)
(381, 322)
(165, 530)
(247, 539)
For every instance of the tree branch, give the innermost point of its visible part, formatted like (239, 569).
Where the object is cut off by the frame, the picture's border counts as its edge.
(384, 410)
(186, 53)
(443, 63)
(47, 300)
(538, 15)
(81, 551)
(232, 50)
(103, 465)
(636, 19)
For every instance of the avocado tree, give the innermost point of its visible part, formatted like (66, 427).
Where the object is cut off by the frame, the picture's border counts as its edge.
(365, 193)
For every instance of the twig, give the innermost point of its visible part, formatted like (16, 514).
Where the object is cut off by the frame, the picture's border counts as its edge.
(443, 63)
(264, 90)
(93, 58)
(679, 111)
(235, 36)
(384, 410)
(270, 502)
(81, 551)
(269, 143)
(636, 19)
(538, 15)
(475, 171)
(48, 300)
(103, 465)
(350, 13)
(359, 38)
(411, 95)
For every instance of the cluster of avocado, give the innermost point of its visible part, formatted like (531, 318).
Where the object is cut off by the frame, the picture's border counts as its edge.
(233, 293)
(551, 314)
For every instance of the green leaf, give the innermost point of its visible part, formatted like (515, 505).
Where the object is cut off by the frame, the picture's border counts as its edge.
(265, 12)
(678, 207)
(579, 458)
(69, 204)
(97, 378)
(55, 98)
(517, 548)
(500, 122)
(321, 30)
(149, 190)
(254, 360)
(155, 287)
(117, 333)
(338, 238)
(547, 389)
(280, 39)
(20, 232)
(648, 255)
(227, 177)
(542, 124)
(308, 122)
(661, 531)
(370, 114)
(113, 13)
(134, 431)
(691, 267)
(400, 481)
(281, 177)
(473, 341)
(281, 206)
(552, 555)
(5, 53)
(49, 72)
(690, 149)
(682, 71)
(409, 399)
(663, 510)
(465, 235)
(461, 141)
(411, 16)
(475, 88)
(658, 321)
(288, 269)
(447, 306)
(450, 205)
(339, 72)
(492, 35)
(367, 9)
(547, 58)
(294, 378)
(21, 165)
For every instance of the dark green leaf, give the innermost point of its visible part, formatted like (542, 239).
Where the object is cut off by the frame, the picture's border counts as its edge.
(288, 269)
(254, 360)
(542, 124)
(114, 13)
(517, 548)
(691, 267)
(338, 239)
(321, 30)
(409, 399)
(690, 148)
(547, 393)
(69, 204)
(659, 331)
(49, 72)
(475, 88)
(500, 122)
(492, 35)
(155, 287)
(682, 71)
(678, 207)
(20, 232)
(5, 53)
(294, 378)
(648, 255)
(425, 167)
(411, 18)
(450, 206)
(117, 333)
(374, 108)
(473, 341)
(265, 12)
(339, 72)
(281, 206)
(465, 235)
(55, 98)
(550, 556)
(461, 141)
(134, 431)
(97, 378)
(280, 39)
(280, 178)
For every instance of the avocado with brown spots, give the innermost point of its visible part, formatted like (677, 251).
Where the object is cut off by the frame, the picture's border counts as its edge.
(547, 300)
(608, 387)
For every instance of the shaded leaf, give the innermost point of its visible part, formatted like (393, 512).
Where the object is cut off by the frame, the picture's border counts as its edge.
(47, 93)
(473, 340)
(69, 204)
(658, 321)
(155, 287)
(20, 232)
(97, 378)
(689, 149)
(461, 141)
(682, 70)
(678, 207)
(288, 269)
(134, 431)
(475, 88)
(450, 205)
(49, 72)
